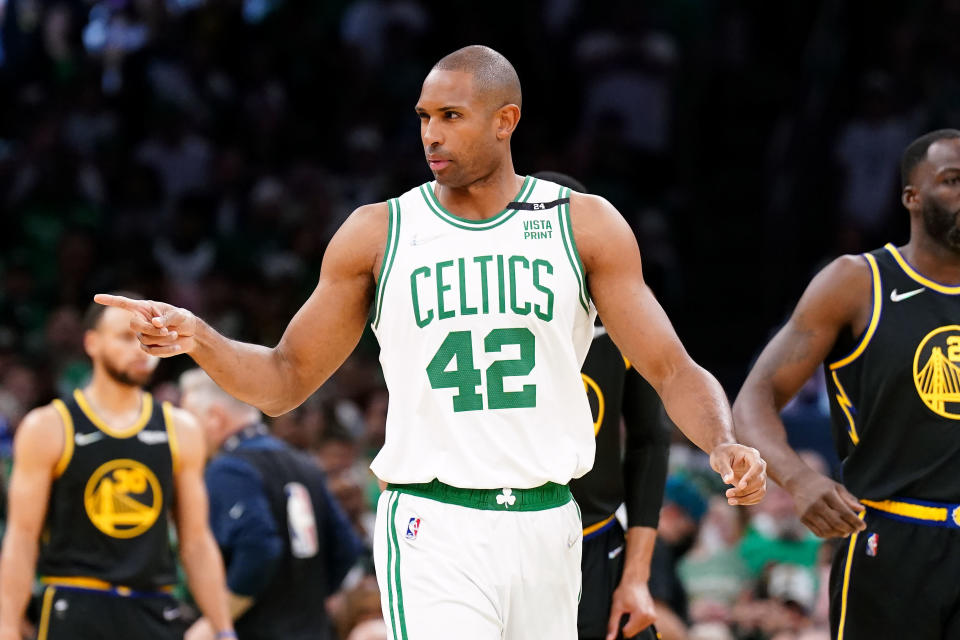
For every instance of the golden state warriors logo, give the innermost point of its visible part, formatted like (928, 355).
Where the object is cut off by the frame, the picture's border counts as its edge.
(936, 373)
(123, 498)
(595, 397)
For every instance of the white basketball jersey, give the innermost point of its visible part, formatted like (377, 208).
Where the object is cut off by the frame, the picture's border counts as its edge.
(483, 327)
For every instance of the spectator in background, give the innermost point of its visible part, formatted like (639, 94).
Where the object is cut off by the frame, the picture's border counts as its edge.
(286, 543)
(683, 508)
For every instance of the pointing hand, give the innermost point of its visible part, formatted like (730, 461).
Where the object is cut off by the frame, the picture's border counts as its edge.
(162, 329)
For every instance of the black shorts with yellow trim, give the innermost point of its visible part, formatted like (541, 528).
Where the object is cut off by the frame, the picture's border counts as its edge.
(897, 578)
(89, 609)
(601, 568)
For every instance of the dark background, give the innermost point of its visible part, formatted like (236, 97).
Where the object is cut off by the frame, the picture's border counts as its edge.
(204, 152)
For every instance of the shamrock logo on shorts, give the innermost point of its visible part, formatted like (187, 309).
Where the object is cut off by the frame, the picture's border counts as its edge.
(506, 498)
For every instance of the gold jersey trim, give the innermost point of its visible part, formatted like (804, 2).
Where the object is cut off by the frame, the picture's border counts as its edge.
(171, 435)
(44, 629)
(874, 317)
(908, 510)
(85, 582)
(146, 410)
(599, 525)
(846, 581)
(915, 275)
(68, 433)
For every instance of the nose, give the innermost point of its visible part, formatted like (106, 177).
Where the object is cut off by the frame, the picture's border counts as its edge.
(431, 133)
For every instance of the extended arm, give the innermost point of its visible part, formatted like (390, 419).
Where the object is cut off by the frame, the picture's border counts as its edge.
(837, 299)
(316, 342)
(198, 550)
(38, 447)
(693, 398)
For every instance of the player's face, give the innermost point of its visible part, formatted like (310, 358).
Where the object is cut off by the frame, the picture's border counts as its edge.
(114, 347)
(458, 129)
(939, 186)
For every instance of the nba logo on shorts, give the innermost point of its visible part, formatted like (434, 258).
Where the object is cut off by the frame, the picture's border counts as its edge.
(413, 527)
(873, 541)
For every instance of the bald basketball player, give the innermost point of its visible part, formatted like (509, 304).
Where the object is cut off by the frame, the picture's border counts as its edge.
(484, 285)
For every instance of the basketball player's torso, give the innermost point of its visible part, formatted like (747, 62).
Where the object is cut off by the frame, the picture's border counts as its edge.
(895, 399)
(107, 519)
(483, 326)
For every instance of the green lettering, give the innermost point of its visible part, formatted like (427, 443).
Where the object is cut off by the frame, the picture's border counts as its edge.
(421, 321)
(442, 313)
(462, 272)
(515, 260)
(503, 302)
(482, 261)
(537, 309)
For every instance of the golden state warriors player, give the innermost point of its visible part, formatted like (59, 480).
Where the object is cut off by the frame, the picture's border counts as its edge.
(886, 325)
(483, 285)
(96, 476)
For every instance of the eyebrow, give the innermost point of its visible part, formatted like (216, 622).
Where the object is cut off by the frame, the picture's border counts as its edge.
(419, 109)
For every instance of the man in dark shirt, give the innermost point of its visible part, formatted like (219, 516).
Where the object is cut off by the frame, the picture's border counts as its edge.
(285, 541)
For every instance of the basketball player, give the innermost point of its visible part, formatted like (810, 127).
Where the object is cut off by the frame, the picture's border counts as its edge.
(482, 286)
(885, 325)
(616, 564)
(95, 477)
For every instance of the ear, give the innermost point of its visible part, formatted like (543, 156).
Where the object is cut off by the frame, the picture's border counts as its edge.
(507, 118)
(910, 197)
(91, 343)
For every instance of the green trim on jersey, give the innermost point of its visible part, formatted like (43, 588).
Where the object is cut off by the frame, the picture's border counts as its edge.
(389, 253)
(566, 231)
(393, 576)
(476, 225)
(546, 496)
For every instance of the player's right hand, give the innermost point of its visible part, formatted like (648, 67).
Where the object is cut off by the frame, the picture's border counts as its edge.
(162, 329)
(825, 506)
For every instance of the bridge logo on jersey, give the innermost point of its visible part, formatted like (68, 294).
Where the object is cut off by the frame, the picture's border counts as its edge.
(596, 400)
(123, 498)
(936, 371)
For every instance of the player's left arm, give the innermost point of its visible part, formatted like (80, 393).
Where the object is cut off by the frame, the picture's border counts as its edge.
(198, 549)
(644, 476)
(693, 398)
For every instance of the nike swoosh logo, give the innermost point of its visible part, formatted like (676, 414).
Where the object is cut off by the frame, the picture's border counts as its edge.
(613, 554)
(83, 439)
(416, 240)
(897, 297)
(599, 331)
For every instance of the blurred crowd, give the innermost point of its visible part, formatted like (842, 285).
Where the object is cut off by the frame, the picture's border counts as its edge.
(204, 151)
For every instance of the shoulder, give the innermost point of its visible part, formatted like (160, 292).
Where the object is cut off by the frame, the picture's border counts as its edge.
(838, 295)
(845, 279)
(359, 242)
(598, 229)
(190, 443)
(41, 435)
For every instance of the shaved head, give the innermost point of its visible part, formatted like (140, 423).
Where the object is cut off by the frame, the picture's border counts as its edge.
(493, 76)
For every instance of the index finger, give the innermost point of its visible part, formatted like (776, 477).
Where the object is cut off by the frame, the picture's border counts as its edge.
(757, 467)
(110, 300)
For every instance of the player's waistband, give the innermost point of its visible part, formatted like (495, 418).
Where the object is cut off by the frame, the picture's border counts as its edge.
(931, 514)
(596, 529)
(546, 496)
(85, 583)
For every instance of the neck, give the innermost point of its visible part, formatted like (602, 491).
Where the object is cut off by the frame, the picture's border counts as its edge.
(106, 394)
(483, 198)
(932, 259)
